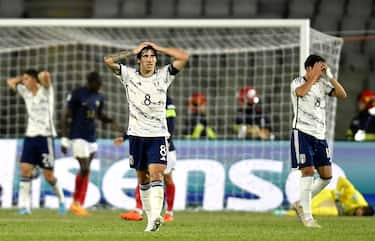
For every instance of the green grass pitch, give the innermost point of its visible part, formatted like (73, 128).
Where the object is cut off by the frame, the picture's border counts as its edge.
(105, 225)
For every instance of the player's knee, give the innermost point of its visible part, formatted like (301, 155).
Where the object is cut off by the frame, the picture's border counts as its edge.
(157, 175)
(50, 178)
(307, 171)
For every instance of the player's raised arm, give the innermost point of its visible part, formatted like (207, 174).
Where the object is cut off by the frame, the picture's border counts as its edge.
(312, 75)
(45, 79)
(180, 56)
(12, 82)
(339, 90)
(113, 60)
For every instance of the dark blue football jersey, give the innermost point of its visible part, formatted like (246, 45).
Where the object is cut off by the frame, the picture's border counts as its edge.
(85, 106)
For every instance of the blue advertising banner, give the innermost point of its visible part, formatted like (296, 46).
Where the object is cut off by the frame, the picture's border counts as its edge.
(211, 175)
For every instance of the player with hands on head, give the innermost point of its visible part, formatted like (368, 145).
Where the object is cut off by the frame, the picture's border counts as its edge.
(146, 91)
(137, 213)
(84, 105)
(38, 148)
(309, 147)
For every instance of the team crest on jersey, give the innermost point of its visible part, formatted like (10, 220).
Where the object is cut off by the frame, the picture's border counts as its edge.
(302, 158)
(131, 160)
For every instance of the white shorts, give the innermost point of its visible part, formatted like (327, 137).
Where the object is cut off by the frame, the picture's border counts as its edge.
(82, 149)
(171, 162)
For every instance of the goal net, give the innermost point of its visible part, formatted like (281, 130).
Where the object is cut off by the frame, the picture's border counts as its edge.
(227, 171)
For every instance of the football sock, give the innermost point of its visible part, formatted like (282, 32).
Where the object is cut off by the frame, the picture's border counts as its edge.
(318, 185)
(170, 193)
(144, 191)
(58, 190)
(24, 193)
(83, 189)
(138, 201)
(306, 189)
(77, 188)
(156, 198)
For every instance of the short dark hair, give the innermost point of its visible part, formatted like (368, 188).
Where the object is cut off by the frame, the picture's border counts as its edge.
(33, 73)
(368, 211)
(149, 47)
(312, 59)
(93, 77)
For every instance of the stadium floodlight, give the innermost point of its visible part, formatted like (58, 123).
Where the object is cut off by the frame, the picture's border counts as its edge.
(225, 56)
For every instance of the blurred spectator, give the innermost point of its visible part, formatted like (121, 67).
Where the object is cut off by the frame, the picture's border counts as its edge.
(196, 124)
(362, 126)
(251, 122)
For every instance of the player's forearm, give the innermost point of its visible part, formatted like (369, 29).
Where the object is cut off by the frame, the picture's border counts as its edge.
(12, 82)
(178, 54)
(45, 78)
(303, 89)
(339, 89)
(107, 120)
(115, 58)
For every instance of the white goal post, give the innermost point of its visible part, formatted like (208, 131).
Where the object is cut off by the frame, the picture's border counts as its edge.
(225, 56)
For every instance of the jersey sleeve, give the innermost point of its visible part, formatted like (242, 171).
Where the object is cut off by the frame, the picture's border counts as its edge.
(294, 85)
(101, 104)
(21, 89)
(170, 73)
(72, 100)
(124, 73)
(328, 88)
(171, 115)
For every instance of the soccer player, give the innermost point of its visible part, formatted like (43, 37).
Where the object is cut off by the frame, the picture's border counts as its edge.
(38, 147)
(84, 105)
(146, 90)
(309, 147)
(344, 200)
(137, 213)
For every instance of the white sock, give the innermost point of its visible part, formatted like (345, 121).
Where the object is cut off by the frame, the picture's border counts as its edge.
(138, 210)
(144, 190)
(318, 185)
(59, 192)
(306, 189)
(156, 198)
(24, 193)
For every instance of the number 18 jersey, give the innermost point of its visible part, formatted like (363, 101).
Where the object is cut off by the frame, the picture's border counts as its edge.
(147, 99)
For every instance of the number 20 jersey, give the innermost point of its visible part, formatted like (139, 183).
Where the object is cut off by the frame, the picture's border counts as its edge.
(147, 99)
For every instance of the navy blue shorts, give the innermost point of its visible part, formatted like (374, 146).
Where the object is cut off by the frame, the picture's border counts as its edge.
(147, 150)
(306, 151)
(39, 151)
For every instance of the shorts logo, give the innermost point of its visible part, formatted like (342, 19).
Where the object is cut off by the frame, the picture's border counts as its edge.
(131, 160)
(302, 158)
(328, 154)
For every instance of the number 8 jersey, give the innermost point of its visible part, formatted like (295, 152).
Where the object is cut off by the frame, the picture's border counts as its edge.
(147, 99)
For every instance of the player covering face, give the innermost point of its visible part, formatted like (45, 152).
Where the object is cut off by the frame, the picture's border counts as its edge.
(146, 90)
(309, 148)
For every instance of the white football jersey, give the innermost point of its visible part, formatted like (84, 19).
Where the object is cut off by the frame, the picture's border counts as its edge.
(310, 110)
(39, 110)
(147, 100)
